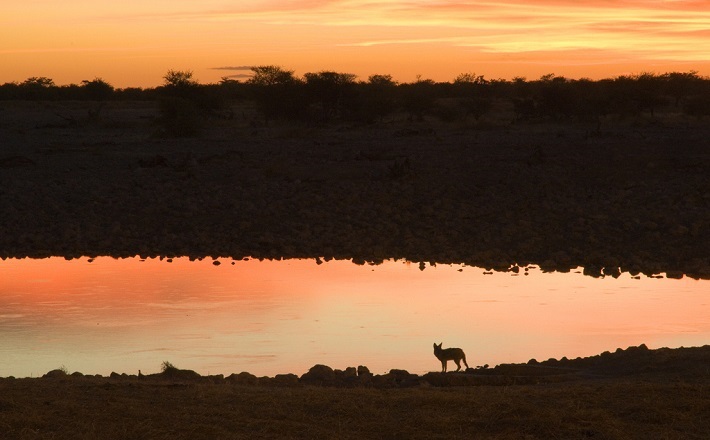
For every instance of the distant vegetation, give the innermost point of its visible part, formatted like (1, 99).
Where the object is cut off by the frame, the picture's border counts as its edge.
(322, 97)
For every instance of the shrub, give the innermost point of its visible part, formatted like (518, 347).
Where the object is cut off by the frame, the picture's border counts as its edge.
(167, 366)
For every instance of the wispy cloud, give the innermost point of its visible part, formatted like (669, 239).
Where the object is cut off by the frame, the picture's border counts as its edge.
(232, 68)
(646, 26)
(239, 76)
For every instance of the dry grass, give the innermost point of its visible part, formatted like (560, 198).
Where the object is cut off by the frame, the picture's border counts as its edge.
(92, 408)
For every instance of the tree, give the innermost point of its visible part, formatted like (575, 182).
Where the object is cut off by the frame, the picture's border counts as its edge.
(38, 87)
(38, 81)
(180, 104)
(469, 78)
(381, 80)
(418, 97)
(472, 94)
(179, 79)
(97, 89)
(681, 84)
(635, 94)
(377, 98)
(271, 76)
(331, 91)
(277, 92)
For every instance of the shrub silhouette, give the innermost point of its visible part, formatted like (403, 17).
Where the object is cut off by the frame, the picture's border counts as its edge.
(418, 98)
(377, 98)
(97, 90)
(681, 85)
(330, 93)
(167, 366)
(178, 104)
(179, 81)
(328, 96)
(277, 93)
(38, 87)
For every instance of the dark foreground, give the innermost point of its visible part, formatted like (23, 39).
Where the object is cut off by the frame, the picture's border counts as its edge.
(632, 196)
(632, 394)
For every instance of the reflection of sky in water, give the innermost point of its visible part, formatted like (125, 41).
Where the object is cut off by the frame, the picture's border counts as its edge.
(285, 316)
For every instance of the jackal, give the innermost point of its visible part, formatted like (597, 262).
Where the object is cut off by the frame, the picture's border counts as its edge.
(444, 355)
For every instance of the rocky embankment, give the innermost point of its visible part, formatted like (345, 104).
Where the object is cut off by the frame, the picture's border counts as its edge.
(691, 364)
(631, 198)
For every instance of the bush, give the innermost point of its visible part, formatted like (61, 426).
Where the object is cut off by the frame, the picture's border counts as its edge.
(166, 366)
(179, 104)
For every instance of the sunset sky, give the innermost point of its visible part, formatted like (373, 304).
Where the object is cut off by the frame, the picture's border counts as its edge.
(134, 42)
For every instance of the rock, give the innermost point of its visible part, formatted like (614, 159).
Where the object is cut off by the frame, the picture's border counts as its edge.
(319, 375)
(288, 380)
(55, 374)
(396, 379)
(243, 378)
(178, 374)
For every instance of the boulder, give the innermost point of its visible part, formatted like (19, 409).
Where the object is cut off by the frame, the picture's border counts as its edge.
(319, 375)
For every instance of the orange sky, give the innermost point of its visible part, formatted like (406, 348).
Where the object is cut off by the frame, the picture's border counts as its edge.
(134, 42)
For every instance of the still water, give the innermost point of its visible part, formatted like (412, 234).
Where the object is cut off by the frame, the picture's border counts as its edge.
(271, 317)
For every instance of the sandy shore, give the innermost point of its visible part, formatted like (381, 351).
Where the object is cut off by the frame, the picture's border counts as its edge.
(634, 197)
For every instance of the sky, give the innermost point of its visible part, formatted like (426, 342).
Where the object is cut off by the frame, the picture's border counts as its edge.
(133, 43)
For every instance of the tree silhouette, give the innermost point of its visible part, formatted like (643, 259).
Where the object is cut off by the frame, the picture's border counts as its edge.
(377, 98)
(331, 92)
(680, 85)
(267, 76)
(97, 90)
(179, 104)
(37, 87)
(277, 92)
(38, 81)
(418, 97)
(472, 92)
(179, 79)
(330, 96)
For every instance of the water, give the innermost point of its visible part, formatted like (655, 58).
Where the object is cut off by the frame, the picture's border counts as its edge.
(271, 317)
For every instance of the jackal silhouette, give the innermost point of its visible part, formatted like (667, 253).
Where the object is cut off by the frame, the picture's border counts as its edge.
(444, 355)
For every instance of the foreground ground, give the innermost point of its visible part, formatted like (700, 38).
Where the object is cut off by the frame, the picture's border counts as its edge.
(631, 394)
(632, 196)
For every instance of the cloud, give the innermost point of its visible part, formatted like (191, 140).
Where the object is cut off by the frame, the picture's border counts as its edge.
(232, 68)
(675, 29)
(390, 42)
(239, 76)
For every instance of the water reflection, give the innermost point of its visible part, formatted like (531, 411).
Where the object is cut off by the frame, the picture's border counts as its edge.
(275, 317)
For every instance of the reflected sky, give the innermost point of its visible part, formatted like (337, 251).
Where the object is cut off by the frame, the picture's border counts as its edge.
(271, 317)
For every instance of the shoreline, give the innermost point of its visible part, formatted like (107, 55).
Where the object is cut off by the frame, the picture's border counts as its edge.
(637, 361)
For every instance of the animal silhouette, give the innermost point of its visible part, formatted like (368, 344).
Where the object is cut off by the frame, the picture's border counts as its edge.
(446, 354)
